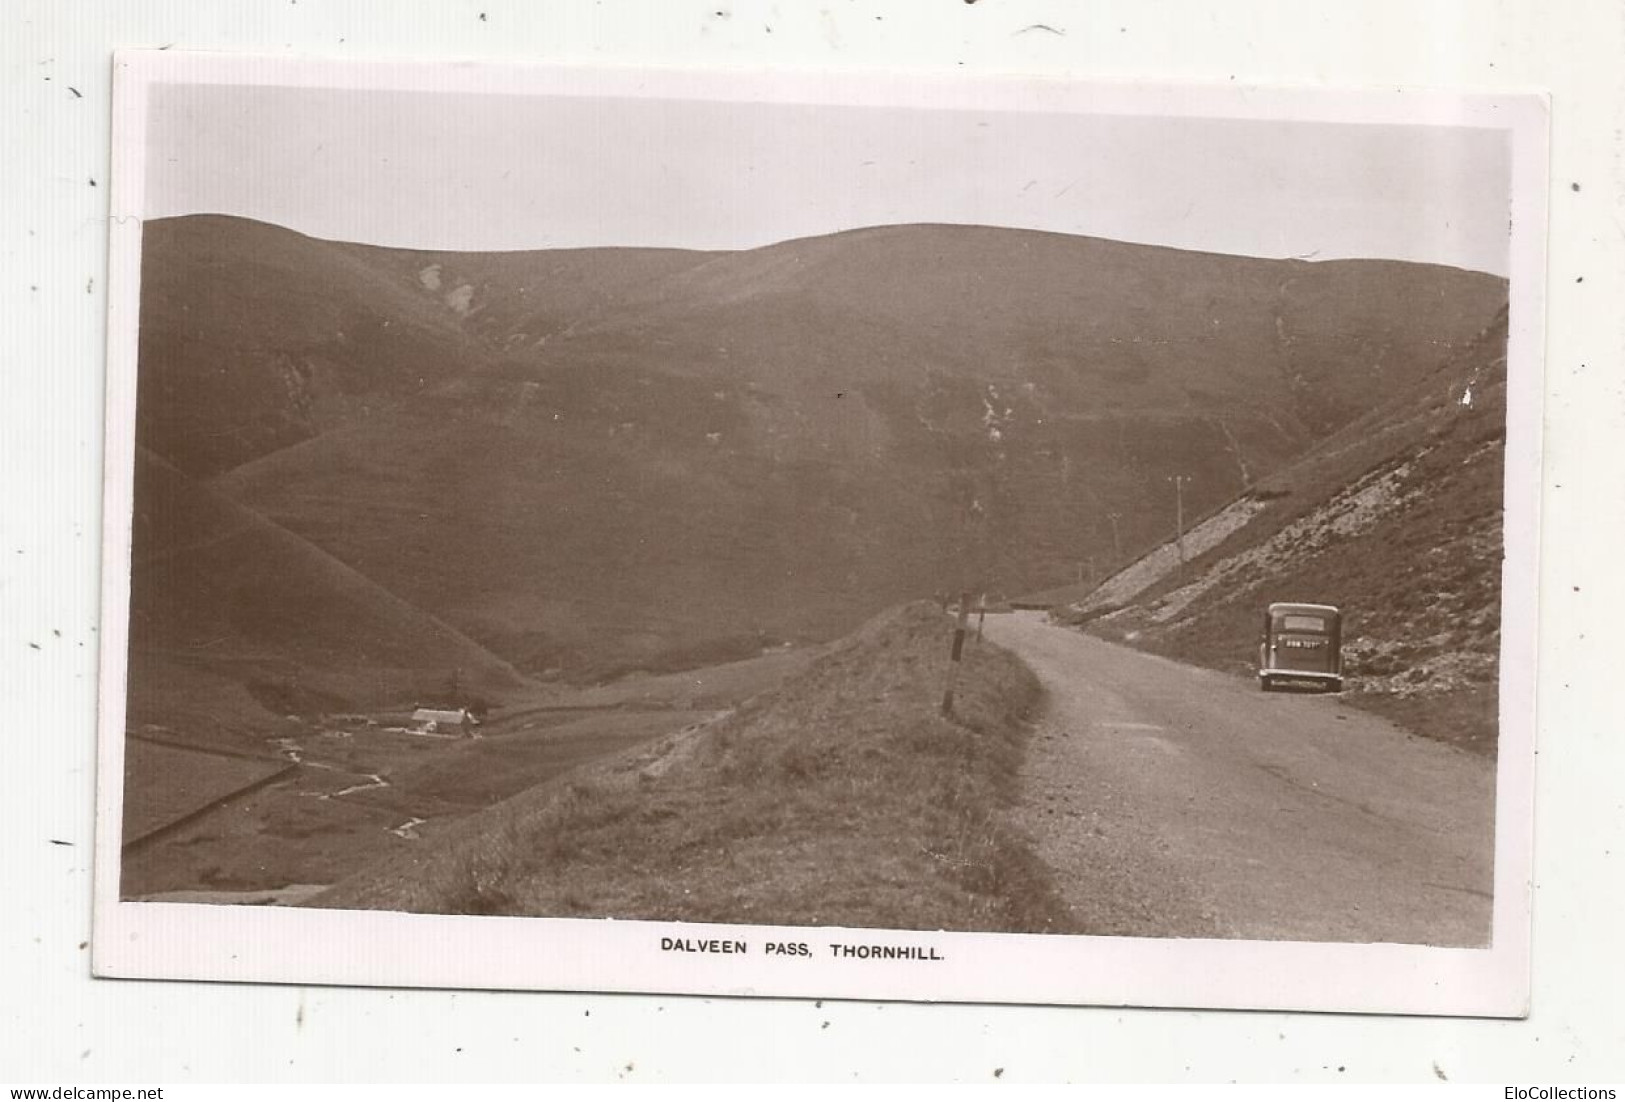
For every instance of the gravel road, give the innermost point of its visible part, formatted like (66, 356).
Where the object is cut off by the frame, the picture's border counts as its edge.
(1178, 802)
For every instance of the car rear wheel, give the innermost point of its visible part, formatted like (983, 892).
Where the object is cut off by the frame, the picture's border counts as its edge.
(1267, 684)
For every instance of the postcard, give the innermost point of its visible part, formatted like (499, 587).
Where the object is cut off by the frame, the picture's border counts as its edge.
(820, 534)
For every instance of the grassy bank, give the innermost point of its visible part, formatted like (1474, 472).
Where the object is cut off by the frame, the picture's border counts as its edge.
(842, 798)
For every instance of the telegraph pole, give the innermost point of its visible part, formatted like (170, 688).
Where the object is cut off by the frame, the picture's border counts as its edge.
(953, 655)
(1117, 543)
(1179, 481)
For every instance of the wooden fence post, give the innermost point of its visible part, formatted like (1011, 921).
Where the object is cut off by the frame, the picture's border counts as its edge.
(959, 649)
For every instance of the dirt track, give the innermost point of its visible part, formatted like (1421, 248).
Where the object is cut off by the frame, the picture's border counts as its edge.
(1179, 802)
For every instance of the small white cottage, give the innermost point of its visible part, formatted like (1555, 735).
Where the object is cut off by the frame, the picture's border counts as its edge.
(443, 721)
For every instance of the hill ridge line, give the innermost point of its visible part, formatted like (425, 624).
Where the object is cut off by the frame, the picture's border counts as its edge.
(874, 229)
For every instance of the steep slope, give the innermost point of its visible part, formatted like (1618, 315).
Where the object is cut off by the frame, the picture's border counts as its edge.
(1397, 519)
(228, 608)
(579, 546)
(254, 337)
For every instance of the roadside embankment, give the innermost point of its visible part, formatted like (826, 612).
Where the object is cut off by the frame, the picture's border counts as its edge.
(841, 798)
(1397, 520)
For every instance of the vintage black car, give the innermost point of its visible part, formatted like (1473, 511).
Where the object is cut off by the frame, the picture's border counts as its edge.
(1301, 643)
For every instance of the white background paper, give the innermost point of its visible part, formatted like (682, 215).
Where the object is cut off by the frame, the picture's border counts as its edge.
(61, 1027)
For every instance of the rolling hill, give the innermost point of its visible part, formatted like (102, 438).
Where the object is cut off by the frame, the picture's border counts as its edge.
(598, 461)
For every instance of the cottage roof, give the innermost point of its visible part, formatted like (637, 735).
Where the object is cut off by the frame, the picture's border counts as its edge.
(440, 715)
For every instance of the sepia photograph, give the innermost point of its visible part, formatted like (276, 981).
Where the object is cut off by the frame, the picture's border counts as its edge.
(793, 534)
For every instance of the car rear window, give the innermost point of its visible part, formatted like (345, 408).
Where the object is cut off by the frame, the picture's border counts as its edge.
(1293, 622)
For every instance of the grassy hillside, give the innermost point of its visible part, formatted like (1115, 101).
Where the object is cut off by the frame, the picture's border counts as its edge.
(518, 301)
(1397, 519)
(235, 621)
(600, 461)
(254, 338)
(842, 798)
(1071, 323)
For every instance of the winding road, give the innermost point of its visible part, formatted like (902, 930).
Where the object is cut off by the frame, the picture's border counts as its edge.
(1172, 801)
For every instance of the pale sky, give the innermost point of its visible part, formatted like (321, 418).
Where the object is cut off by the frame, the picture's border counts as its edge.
(495, 172)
